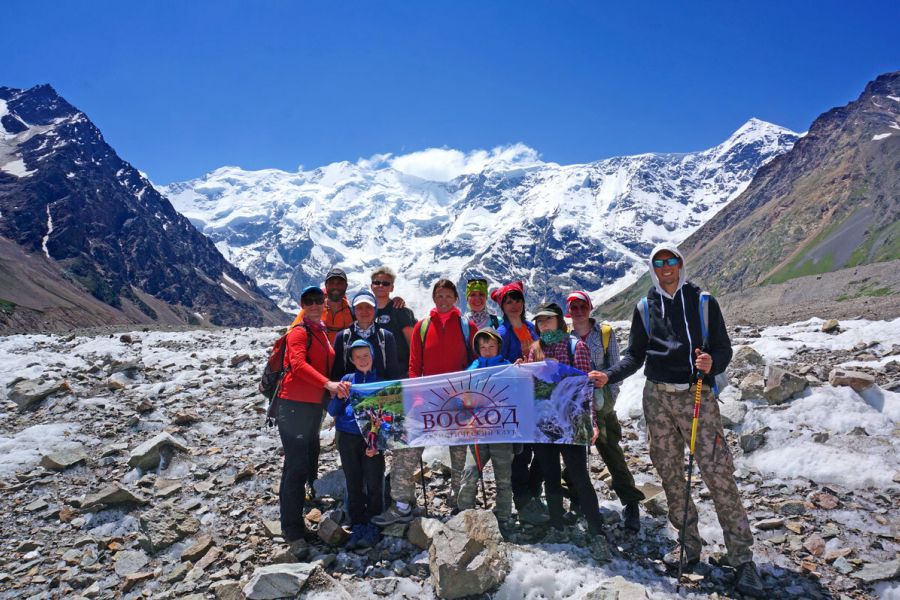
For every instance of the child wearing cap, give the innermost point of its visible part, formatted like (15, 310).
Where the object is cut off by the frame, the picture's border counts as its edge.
(365, 327)
(487, 345)
(363, 464)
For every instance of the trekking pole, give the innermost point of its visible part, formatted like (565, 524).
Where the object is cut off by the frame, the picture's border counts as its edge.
(480, 476)
(687, 489)
(424, 490)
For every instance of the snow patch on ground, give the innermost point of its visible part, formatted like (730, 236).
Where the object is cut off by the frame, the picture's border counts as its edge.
(17, 168)
(25, 448)
(880, 136)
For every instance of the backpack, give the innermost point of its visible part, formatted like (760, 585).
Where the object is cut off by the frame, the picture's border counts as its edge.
(720, 380)
(495, 321)
(346, 335)
(273, 373)
(605, 334)
(463, 324)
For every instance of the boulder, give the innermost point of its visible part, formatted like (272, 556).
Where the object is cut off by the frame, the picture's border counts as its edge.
(29, 392)
(746, 356)
(147, 455)
(330, 530)
(733, 413)
(111, 495)
(752, 386)
(831, 326)
(618, 588)
(855, 379)
(278, 581)
(466, 555)
(61, 460)
(782, 385)
(421, 531)
(165, 525)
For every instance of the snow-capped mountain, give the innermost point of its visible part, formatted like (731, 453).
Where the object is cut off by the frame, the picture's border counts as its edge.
(96, 229)
(557, 227)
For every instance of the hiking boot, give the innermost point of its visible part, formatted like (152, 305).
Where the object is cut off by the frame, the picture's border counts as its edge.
(748, 582)
(631, 514)
(599, 549)
(310, 492)
(689, 562)
(393, 515)
(570, 517)
(371, 537)
(534, 513)
(357, 534)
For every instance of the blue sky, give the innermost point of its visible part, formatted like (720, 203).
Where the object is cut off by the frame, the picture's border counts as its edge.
(181, 88)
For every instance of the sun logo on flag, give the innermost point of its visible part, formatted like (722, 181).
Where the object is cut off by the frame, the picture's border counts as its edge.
(472, 403)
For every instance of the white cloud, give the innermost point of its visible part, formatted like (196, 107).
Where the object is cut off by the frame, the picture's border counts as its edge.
(444, 164)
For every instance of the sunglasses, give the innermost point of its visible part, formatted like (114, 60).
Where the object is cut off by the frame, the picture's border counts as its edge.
(382, 282)
(311, 301)
(669, 262)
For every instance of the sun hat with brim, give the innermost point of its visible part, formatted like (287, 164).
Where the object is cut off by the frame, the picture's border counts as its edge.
(364, 297)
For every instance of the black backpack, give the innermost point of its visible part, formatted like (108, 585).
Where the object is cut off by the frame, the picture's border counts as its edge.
(347, 334)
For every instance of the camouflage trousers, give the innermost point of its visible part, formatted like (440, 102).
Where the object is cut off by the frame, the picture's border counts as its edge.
(501, 456)
(669, 415)
(405, 463)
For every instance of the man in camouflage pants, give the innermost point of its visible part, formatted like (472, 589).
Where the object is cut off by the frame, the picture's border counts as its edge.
(666, 339)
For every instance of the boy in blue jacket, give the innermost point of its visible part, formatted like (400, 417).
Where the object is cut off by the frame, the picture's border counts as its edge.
(487, 345)
(362, 463)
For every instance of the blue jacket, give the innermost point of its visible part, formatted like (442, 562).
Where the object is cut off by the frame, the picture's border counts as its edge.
(494, 361)
(511, 349)
(342, 411)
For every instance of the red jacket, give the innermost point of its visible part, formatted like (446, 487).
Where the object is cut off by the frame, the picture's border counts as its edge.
(305, 379)
(445, 349)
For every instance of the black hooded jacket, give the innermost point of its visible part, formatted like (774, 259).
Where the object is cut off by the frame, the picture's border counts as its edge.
(668, 355)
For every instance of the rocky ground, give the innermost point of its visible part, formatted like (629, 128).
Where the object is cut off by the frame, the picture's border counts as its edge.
(138, 465)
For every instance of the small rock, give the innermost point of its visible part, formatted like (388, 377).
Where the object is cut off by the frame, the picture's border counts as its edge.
(842, 565)
(880, 571)
(196, 550)
(185, 417)
(278, 581)
(857, 380)
(28, 392)
(820, 437)
(769, 524)
(330, 530)
(656, 505)
(147, 455)
(272, 528)
(825, 500)
(752, 387)
(313, 516)
(126, 339)
(144, 406)
(815, 545)
(733, 413)
(782, 385)
(238, 360)
(63, 459)
(163, 526)
(831, 326)
(754, 440)
(134, 579)
(178, 573)
(791, 507)
(227, 589)
(112, 495)
(618, 588)
(747, 356)
(467, 556)
(130, 561)
(395, 530)
(36, 505)
(119, 381)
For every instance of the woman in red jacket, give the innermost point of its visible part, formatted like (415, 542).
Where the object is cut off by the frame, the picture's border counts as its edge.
(304, 387)
(440, 343)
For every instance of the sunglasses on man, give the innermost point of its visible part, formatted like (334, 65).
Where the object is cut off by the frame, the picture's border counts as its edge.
(382, 283)
(659, 263)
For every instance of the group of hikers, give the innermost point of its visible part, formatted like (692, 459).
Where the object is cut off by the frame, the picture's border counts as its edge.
(336, 342)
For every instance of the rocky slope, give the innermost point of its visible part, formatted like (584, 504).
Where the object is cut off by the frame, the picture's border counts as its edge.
(554, 226)
(66, 196)
(95, 511)
(829, 205)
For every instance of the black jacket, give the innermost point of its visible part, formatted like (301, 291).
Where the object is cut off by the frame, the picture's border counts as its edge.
(387, 366)
(668, 355)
